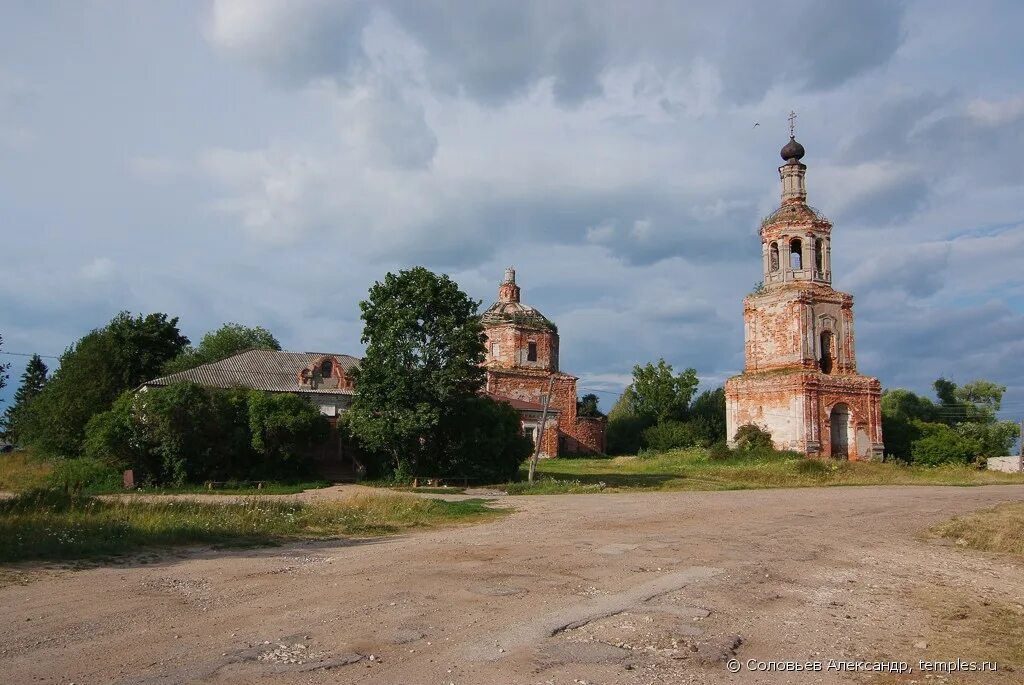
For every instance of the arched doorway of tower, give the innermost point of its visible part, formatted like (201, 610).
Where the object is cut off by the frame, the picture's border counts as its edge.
(839, 428)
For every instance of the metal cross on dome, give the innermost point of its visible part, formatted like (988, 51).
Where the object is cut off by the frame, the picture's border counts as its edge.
(792, 122)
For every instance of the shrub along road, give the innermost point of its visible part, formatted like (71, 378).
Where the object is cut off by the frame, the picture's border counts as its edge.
(611, 588)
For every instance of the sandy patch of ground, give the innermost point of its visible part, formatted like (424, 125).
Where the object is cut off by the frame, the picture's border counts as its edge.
(638, 588)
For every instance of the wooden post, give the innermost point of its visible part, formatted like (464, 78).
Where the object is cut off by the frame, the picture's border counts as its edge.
(540, 433)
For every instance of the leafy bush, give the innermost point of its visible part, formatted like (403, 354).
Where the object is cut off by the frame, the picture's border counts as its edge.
(669, 435)
(940, 444)
(284, 427)
(488, 445)
(719, 451)
(76, 475)
(188, 433)
(751, 438)
(624, 434)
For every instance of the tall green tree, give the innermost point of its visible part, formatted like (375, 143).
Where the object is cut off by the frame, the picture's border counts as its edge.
(964, 421)
(32, 382)
(424, 350)
(707, 414)
(624, 434)
(94, 372)
(587, 406)
(661, 394)
(228, 340)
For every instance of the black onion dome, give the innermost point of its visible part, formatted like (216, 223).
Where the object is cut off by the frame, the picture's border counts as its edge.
(792, 150)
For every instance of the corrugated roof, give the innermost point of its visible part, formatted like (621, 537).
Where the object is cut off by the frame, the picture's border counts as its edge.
(269, 370)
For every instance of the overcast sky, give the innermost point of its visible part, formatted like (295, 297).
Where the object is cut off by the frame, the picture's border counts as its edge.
(264, 161)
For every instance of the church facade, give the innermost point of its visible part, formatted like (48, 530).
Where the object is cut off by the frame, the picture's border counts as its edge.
(800, 379)
(522, 369)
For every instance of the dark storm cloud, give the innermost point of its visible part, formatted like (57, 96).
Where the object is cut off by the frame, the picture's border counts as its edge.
(495, 50)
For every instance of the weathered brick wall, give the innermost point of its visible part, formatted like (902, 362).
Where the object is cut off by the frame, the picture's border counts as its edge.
(796, 408)
(582, 435)
(587, 435)
(783, 327)
(508, 347)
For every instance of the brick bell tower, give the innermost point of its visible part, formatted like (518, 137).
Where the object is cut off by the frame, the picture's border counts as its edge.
(800, 380)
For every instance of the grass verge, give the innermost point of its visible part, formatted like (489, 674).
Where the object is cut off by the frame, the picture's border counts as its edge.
(998, 529)
(22, 470)
(229, 488)
(693, 469)
(51, 525)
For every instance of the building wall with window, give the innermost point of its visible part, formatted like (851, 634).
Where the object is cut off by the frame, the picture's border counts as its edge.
(522, 366)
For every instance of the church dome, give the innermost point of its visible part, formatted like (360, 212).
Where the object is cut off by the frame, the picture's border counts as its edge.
(504, 312)
(796, 214)
(792, 150)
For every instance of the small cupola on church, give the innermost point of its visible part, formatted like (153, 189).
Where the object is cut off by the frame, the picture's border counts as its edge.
(518, 336)
(796, 239)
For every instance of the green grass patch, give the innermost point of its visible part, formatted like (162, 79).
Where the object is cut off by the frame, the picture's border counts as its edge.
(998, 529)
(23, 470)
(52, 525)
(693, 469)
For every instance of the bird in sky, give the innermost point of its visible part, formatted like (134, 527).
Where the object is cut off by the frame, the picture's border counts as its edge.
(756, 124)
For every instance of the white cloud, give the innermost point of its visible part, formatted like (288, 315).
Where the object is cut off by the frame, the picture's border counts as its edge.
(996, 112)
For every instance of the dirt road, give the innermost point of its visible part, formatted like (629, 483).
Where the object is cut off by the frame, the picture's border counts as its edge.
(615, 588)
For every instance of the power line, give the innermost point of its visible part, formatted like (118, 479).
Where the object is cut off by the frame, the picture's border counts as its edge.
(32, 354)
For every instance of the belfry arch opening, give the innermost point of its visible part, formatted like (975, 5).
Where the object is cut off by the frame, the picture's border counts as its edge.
(796, 257)
(819, 256)
(827, 343)
(773, 257)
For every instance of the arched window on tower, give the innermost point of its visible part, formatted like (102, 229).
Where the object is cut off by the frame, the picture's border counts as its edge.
(827, 352)
(819, 256)
(326, 369)
(796, 257)
(773, 257)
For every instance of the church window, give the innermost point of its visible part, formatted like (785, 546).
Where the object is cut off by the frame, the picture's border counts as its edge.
(495, 350)
(795, 255)
(819, 256)
(774, 257)
(326, 369)
(827, 354)
(531, 352)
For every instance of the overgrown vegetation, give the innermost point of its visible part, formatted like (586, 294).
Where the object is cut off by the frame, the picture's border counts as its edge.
(51, 524)
(93, 373)
(656, 412)
(722, 469)
(962, 427)
(418, 411)
(32, 381)
(998, 529)
(23, 470)
(228, 340)
(187, 433)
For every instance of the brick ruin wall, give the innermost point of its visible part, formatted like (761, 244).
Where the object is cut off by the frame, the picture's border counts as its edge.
(581, 435)
(783, 331)
(512, 346)
(796, 409)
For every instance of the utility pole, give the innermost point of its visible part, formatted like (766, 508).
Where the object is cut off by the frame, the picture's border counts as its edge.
(540, 433)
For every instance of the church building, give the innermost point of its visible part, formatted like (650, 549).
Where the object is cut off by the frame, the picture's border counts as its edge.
(800, 380)
(522, 369)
